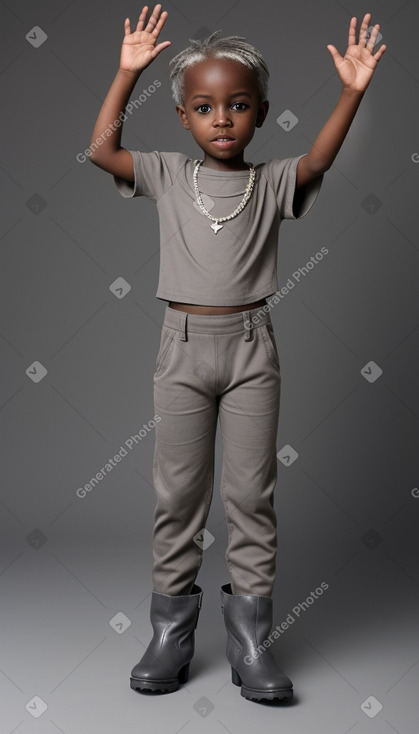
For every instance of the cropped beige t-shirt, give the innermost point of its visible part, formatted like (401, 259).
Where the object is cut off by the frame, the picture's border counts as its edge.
(238, 265)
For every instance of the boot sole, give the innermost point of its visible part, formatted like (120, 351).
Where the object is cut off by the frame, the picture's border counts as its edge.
(259, 694)
(161, 686)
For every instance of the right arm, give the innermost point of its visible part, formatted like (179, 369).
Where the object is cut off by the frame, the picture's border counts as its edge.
(138, 51)
(110, 155)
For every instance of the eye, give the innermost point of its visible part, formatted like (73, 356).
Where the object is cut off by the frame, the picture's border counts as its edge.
(200, 106)
(244, 106)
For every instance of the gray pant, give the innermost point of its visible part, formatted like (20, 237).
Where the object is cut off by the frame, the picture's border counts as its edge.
(208, 366)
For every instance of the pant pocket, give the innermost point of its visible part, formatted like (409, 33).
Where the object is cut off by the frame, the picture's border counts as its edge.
(269, 341)
(167, 342)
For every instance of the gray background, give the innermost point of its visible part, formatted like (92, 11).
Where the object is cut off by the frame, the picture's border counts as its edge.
(347, 507)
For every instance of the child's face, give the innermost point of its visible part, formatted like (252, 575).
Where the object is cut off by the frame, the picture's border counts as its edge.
(213, 108)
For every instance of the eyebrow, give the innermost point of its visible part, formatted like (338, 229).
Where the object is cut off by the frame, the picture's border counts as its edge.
(208, 96)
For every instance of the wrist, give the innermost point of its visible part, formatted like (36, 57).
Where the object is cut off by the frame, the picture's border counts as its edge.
(130, 75)
(352, 92)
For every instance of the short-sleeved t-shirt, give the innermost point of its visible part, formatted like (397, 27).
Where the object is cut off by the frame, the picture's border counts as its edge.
(238, 265)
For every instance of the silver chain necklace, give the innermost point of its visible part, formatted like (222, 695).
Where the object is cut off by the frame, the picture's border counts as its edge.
(216, 226)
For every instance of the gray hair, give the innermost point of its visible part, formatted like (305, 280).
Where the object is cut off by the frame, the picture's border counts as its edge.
(229, 47)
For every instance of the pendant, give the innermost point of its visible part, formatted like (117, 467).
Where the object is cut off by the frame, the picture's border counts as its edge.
(216, 227)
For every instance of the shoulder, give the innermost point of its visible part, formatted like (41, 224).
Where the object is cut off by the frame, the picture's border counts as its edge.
(176, 163)
(279, 165)
(162, 165)
(278, 170)
(171, 157)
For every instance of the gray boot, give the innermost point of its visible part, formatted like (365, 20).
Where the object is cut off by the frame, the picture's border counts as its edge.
(165, 663)
(248, 621)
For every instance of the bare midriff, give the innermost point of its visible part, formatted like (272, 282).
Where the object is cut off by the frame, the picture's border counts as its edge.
(211, 310)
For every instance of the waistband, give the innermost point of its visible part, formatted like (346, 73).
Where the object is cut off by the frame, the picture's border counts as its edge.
(226, 323)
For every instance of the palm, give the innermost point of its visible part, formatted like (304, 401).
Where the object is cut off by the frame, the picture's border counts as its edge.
(356, 68)
(138, 48)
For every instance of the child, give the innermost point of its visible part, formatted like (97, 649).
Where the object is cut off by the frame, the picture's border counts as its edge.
(219, 221)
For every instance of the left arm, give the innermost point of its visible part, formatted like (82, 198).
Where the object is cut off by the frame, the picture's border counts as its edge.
(355, 71)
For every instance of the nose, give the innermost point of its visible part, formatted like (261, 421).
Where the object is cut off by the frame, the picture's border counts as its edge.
(221, 116)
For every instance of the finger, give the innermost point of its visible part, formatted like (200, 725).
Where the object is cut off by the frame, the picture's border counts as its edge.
(153, 18)
(380, 52)
(363, 29)
(334, 53)
(161, 22)
(142, 17)
(373, 37)
(352, 36)
(160, 47)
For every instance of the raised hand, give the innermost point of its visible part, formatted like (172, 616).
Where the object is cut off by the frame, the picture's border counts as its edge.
(138, 48)
(356, 68)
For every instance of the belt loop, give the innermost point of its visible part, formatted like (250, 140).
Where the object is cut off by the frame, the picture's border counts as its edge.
(183, 319)
(248, 326)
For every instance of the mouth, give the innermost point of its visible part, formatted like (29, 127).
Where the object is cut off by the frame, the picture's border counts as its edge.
(223, 141)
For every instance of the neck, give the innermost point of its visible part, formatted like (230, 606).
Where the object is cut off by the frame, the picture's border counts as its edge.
(233, 164)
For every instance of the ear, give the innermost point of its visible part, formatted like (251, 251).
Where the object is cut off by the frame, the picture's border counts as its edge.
(182, 116)
(261, 113)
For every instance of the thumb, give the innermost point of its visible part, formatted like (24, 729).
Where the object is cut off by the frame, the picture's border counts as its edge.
(334, 53)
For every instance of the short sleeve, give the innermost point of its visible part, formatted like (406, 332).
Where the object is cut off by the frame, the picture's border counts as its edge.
(152, 174)
(282, 176)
